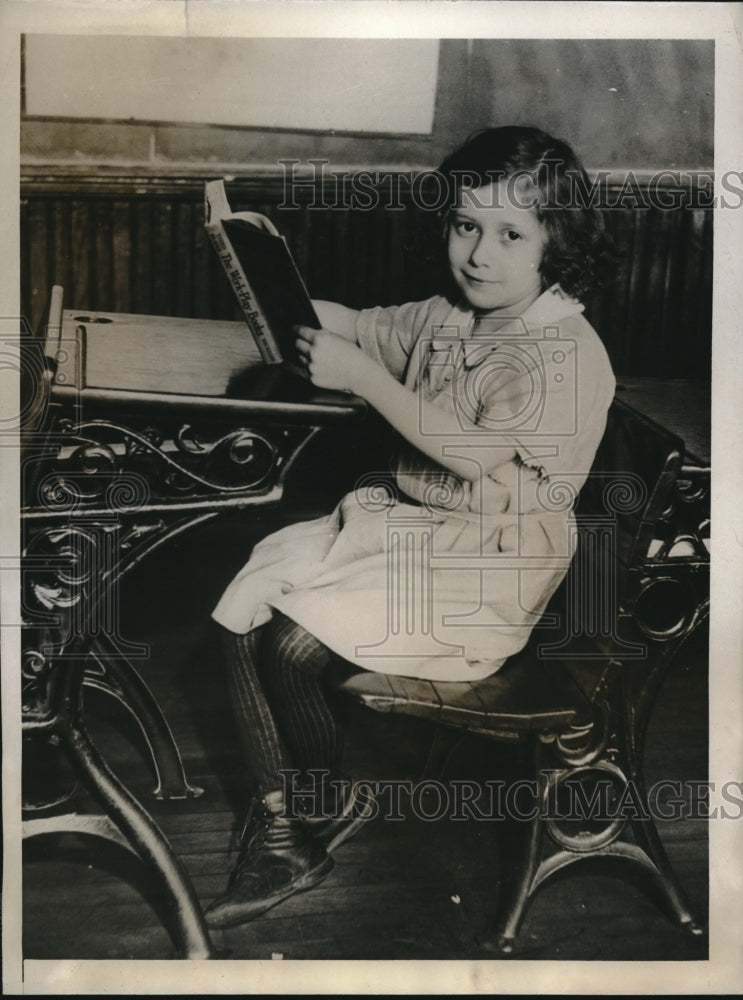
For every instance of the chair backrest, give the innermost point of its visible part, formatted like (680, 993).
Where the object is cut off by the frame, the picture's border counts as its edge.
(630, 486)
(631, 482)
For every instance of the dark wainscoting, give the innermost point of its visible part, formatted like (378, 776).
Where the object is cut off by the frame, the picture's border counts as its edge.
(126, 242)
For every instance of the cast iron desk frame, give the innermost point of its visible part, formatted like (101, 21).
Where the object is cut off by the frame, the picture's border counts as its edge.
(108, 478)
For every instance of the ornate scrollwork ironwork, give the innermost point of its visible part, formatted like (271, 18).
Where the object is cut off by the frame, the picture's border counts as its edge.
(119, 491)
(584, 806)
(581, 744)
(685, 539)
(36, 690)
(57, 564)
(665, 606)
(99, 462)
(693, 484)
(57, 492)
(94, 457)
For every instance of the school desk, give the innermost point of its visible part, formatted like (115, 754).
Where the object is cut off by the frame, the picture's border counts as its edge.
(136, 430)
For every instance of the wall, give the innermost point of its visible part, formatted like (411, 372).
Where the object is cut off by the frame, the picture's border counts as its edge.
(621, 103)
(112, 210)
(126, 245)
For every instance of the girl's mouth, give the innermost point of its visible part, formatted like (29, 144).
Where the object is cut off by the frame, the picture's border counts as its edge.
(478, 281)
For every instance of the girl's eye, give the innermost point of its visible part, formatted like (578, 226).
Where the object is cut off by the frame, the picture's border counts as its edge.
(465, 228)
(512, 236)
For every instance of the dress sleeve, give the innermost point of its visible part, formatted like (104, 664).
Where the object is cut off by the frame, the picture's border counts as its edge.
(388, 334)
(548, 401)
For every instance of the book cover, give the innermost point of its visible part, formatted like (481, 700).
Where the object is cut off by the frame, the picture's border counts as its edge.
(263, 275)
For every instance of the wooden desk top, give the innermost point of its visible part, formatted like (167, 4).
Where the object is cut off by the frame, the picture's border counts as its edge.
(683, 406)
(134, 360)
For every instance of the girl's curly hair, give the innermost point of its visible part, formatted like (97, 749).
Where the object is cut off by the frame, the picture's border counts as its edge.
(579, 252)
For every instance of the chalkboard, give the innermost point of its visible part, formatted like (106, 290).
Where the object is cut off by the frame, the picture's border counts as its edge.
(340, 84)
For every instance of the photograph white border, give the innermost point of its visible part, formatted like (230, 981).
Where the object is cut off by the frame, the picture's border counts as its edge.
(723, 22)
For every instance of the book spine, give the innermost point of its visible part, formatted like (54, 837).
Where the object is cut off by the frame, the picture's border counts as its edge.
(257, 322)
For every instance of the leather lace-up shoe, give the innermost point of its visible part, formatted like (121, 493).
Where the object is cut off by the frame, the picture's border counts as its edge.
(355, 807)
(278, 858)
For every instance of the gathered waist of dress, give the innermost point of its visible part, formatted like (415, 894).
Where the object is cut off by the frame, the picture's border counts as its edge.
(440, 504)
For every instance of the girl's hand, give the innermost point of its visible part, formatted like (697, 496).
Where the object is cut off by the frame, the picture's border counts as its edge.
(332, 362)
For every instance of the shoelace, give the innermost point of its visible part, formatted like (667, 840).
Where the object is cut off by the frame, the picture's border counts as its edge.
(253, 831)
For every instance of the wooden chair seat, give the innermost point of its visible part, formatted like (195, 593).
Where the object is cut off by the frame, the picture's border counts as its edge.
(524, 696)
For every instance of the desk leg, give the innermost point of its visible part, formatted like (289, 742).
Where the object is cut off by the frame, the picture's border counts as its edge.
(190, 931)
(118, 678)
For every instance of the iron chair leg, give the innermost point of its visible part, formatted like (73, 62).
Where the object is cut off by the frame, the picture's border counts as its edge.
(518, 895)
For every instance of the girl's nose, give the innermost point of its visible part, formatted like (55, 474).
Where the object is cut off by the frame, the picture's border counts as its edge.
(482, 252)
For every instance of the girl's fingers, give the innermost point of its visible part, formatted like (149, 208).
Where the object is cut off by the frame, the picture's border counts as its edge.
(305, 343)
(305, 334)
(304, 348)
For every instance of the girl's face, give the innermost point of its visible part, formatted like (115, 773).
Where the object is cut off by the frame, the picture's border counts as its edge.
(496, 245)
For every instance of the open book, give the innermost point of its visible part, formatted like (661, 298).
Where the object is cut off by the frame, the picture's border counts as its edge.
(263, 275)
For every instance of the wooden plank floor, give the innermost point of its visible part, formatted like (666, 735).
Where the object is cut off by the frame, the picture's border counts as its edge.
(407, 889)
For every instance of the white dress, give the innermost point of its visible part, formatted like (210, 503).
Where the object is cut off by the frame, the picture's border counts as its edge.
(446, 580)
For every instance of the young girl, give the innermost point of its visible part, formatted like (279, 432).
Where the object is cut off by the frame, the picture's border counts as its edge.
(498, 392)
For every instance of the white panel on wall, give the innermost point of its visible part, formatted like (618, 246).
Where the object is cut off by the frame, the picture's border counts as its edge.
(358, 85)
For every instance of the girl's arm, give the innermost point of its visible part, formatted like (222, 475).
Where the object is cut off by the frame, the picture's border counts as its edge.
(334, 363)
(337, 318)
